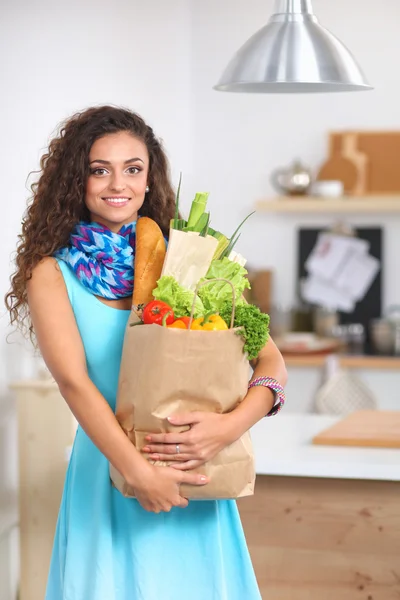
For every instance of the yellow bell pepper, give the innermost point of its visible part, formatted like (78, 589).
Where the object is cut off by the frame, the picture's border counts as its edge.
(209, 323)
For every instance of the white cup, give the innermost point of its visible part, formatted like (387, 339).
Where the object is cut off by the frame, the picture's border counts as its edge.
(327, 189)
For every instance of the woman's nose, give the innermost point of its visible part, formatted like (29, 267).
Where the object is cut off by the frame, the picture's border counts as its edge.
(117, 182)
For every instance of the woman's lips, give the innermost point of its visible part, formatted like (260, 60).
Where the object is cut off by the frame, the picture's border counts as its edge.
(116, 202)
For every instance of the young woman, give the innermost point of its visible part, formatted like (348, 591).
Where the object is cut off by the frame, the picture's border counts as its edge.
(73, 286)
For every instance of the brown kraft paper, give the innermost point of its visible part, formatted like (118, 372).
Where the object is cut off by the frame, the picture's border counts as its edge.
(170, 371)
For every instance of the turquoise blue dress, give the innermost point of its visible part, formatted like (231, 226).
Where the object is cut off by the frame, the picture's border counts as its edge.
(108, 547)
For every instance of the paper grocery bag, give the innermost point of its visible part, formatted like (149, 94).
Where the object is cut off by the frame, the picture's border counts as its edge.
(169, 371)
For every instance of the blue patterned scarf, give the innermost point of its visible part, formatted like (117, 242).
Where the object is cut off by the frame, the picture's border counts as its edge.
(102, 260)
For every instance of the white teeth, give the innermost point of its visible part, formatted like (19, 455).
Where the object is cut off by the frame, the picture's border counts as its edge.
(116, 200)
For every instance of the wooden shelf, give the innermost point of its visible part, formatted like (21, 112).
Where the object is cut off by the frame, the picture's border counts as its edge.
(391, 363)
(301, 204)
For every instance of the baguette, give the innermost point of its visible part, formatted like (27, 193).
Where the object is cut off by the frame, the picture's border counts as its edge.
(149, 259)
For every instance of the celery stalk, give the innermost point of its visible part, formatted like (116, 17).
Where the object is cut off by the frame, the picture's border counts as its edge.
(197, 209)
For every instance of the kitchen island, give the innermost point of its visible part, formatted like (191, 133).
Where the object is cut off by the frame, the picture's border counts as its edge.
(324, 523)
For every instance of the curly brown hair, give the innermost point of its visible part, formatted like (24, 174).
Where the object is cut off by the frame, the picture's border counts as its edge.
(58, 201)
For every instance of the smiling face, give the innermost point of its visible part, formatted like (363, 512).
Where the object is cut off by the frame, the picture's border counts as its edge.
(116, 186)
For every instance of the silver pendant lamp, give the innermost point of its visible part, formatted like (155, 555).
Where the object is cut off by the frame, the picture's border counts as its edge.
(293, 53)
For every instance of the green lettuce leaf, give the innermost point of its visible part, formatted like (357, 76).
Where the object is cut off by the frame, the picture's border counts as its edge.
(215, 294)
(177, 297)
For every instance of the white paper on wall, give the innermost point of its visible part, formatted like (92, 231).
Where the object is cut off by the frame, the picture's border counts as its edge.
(321, 292)
(357, 275)
(331, 252)
(340, 272)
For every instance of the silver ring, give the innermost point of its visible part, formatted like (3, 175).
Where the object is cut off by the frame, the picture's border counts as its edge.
(178, 450)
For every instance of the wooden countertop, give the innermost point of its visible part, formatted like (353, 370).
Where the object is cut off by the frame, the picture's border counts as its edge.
(349, 361)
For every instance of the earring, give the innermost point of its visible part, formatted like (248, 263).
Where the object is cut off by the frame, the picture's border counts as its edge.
(147, 189)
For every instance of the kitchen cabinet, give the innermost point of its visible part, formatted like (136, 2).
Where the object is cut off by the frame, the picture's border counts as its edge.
(9, 553)
(46, 429)
(324, 539)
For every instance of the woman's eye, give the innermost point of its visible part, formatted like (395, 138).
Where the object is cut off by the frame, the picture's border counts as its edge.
(98, 171)
(102, 171)
(133, 170)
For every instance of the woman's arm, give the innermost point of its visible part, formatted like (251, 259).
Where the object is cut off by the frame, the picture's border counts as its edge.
(259, 400)
(62, 350)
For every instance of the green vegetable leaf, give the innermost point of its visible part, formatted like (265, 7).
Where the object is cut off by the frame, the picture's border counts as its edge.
(180, 299)
(255, 325)
(216, 293)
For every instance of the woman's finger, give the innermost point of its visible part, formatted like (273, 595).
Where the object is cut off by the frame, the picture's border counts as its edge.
(188, 465)
(168, 438)
(169, 457)
(186, 418)
(165, 449)
(184, 503)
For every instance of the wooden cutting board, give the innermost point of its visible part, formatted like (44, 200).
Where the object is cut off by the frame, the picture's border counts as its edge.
(365, 428)
(340, 168)
(382, 152)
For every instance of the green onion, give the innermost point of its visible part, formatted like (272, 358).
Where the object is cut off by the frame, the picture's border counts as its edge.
(230, 247)
(233, 240)
(242, 223)
(181, 224)
(176, 219)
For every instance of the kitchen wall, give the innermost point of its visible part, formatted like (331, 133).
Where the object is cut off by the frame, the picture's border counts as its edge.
(240, 139)
(57, 58)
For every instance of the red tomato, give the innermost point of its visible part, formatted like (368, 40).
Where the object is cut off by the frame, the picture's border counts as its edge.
(155, 311)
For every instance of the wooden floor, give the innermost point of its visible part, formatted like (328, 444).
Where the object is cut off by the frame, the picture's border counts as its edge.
(322, 539)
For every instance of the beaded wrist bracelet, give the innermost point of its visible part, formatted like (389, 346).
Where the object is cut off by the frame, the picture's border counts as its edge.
(276, 387)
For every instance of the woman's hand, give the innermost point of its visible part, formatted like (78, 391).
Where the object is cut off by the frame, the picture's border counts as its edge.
(209, 433)
(157, 488)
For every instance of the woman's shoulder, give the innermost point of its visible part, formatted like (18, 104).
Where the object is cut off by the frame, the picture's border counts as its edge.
(46, 271)
(51, 276)
(46, 285)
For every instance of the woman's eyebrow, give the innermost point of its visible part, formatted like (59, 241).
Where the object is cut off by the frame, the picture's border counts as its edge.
(106, 162)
